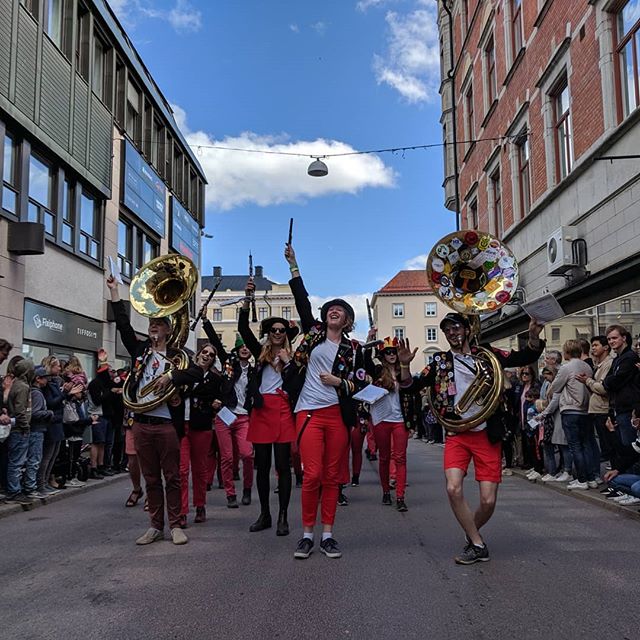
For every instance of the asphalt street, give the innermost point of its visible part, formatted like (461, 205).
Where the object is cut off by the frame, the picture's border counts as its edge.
(560, 568)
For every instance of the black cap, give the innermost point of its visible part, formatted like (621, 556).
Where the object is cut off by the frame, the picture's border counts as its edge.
(267, 323)
(337, 302)
(455, 317)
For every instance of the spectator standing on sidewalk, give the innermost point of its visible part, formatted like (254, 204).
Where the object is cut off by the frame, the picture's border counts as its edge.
(99, 408)
(5, 349)
(621, 383)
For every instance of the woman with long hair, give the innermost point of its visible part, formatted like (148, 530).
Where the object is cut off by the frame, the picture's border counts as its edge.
(393, 417)
(271, 424)
(327, 369)
(200, 409)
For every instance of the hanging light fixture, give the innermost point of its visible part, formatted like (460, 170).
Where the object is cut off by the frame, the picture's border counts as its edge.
(317, 169)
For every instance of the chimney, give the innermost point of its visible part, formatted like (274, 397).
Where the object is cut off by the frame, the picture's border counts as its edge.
(217, 272)
(259, 273)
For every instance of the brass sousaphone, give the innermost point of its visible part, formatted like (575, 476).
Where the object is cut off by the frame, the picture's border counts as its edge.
(162, 288)
(473, 273)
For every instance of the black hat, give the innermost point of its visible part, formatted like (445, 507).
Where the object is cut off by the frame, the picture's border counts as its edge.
(337, 302)
(455, 317)
(267, 323)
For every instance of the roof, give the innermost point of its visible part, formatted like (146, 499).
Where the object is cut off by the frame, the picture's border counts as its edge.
(236, 283)
(407, 281)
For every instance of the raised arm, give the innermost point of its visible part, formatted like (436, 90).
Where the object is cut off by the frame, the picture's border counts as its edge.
(214, 338)
(252, 343)
(300, 295)
(123, 324)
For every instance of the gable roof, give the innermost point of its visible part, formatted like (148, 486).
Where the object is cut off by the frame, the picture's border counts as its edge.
(407, 281)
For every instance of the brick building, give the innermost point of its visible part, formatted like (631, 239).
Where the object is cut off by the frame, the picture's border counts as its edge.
(542, 91)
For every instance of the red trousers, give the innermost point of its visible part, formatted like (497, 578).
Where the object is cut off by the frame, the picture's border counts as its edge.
(371, 439)
(194, 453)
(158, 451)
(232, 439)
(324, 445)
(357, 440)
(386, 434)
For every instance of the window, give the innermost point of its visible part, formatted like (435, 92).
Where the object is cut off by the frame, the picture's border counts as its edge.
(465, 17)
(398, 332)
(625, 306)
(68, 223)
(397, 310)
(524, 178)
(156, 139)
(469, 126)
(431, 334)
(490, 68)
(146, 248)
(82, 41)
(286, 313)
(133, 120)
(627, 50)
(472, 215)
(178, 166)
(125, 248)
(121, 82)
(217, 315)
(496, 193)
(55, 23)
(41, 195)
(168, 172)
(89, 226)
(430, 309)
(516, 26)
(262, 313)
(555, 334)
(31, 6)
(9, 180)
(99, 67)
(562, 127)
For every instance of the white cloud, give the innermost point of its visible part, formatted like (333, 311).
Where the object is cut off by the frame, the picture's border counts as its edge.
(237, 178)
(295, 28)
(319, 27)
(359, 303)
(363, 5)
(417, 262)
(411, 64)
(183, 17)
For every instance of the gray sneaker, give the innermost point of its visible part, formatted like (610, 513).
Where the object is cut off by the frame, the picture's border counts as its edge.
(473, 554)
(150, 535)
(178, 536)
(36, 495)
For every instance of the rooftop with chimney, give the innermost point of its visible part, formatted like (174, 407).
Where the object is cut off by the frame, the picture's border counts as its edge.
(236, 282)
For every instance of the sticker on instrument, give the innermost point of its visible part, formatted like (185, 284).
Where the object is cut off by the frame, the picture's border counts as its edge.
(361, 374)
(437, 265)
(451, 389)
(442, 250)
(454, 257)
(455, 243)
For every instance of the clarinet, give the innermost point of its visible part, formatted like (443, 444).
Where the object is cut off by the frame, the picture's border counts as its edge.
(194, 324)
(254, 315)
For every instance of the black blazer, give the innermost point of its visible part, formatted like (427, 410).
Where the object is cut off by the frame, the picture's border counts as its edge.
(202, 396)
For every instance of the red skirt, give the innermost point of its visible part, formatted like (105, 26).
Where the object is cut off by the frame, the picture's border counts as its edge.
(273, 422)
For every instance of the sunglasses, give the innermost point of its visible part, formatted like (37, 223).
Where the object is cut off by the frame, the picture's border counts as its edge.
(452, 327)
(390, 352)
(277, 330)
(525, 373)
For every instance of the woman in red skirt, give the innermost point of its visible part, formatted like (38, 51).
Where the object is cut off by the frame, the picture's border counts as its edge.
(271, 424)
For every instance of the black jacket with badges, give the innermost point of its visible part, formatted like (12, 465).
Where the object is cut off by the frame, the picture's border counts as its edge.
(202, 395)
(348, 364)
(141, 351)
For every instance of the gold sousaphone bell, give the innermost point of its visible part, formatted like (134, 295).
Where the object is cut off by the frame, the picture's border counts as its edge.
(472, 272)
(162, 288)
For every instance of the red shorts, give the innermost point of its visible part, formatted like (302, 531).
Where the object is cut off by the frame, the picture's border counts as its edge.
(460, 449)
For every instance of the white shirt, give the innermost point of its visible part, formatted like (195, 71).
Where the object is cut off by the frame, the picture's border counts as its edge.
(316, 395)
(154, 369)
(241, 391)
(463, 377)
(271, 380)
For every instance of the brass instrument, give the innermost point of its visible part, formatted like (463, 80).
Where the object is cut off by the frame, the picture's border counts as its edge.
(162, 287)
(472, 272)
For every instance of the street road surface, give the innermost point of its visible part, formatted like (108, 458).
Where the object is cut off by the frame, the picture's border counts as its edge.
(560, 568)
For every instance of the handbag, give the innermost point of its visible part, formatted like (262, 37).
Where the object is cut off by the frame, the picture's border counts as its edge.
(70, 412)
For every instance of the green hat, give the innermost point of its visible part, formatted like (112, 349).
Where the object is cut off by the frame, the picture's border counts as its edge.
(239, 343)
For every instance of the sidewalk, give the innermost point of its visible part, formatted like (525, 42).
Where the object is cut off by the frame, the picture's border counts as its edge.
(8, 509)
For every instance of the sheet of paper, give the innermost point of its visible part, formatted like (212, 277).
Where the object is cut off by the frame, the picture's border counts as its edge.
(544, 309)
(228, 417)
(380, 409)
(370, 394)
(114, 270)
(533, 423)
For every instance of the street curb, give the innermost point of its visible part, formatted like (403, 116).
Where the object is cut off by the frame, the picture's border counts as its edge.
(9, 509)
(592, 496)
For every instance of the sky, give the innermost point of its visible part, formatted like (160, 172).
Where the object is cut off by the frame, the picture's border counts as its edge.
(311, 78)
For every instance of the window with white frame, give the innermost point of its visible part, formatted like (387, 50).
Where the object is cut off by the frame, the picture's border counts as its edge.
(495, 188)
(490, 72)
(469, 118)
(41, 194)
(9, 175)
(398, 332)
(286, 313)
(217, 315)
(627, 35)
(430, 309)
(431, 334)
(516, 26)
(262, 313)
(562, 128)
(472, 213)
(397, 310)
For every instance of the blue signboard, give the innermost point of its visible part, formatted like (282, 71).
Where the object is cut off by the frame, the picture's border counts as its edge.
(144, 194)
(185, 232)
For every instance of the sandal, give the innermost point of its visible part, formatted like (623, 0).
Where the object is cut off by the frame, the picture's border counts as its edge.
(134, 498)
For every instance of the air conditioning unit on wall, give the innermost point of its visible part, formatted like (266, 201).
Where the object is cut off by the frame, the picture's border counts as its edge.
(560, 255)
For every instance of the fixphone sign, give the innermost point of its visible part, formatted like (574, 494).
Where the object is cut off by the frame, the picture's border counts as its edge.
(43, 323)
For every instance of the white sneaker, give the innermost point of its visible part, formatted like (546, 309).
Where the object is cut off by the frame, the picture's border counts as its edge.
(548, 478)
(573, 486)
(532, 477)
(74, 482)
(592, 484)
(563, 477)
(622, 498)
(507, 472)
(599, 481)
(629, 501)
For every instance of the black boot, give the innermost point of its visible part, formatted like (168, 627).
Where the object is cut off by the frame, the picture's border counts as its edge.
(246, 496)
(263, 522)
(94, 474)
(283, 525)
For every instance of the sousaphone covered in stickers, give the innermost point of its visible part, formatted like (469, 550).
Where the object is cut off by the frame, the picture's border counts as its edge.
(473, 273)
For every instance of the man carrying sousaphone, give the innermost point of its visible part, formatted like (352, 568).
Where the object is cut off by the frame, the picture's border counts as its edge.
(456, 378)
(156, 431)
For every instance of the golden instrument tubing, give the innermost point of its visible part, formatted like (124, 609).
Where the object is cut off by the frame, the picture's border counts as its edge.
(163, 287)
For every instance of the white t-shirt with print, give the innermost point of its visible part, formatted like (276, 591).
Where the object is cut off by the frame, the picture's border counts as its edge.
(315, 394)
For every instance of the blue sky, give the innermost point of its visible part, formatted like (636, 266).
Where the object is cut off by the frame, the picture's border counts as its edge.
(313, 78)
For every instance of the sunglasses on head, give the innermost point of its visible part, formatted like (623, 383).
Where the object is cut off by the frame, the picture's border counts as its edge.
(277, 330)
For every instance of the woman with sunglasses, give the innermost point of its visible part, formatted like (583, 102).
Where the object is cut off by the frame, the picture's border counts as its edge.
(201, 407)
(527, 381)
(393, 417)
(326, 370)
(271, 424)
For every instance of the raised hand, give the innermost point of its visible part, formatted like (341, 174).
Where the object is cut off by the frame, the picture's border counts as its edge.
(290, 254)
(405, 354)
(373, 332)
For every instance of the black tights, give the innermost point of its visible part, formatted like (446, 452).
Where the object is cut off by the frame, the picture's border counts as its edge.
(282, 455)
